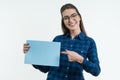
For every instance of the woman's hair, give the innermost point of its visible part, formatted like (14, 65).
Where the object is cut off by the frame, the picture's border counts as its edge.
(64, 28)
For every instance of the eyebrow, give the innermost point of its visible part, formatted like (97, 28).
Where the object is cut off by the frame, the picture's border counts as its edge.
(70, 15)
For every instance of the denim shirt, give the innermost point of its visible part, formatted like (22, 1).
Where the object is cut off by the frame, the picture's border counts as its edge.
(84, 46)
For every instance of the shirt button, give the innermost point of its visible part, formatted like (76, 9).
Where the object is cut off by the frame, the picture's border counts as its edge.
(67, 67)
(66, 76)
(81, 51)
(71, 45)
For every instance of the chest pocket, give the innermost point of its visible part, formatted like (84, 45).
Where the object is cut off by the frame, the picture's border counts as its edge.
(82, 52)
(64, 46)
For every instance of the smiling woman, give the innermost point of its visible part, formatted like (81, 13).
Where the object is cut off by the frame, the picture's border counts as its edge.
(78, 51)
(71, 16)
(71, 19)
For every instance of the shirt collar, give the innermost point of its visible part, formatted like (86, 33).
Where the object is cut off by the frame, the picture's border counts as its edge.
(80, 36)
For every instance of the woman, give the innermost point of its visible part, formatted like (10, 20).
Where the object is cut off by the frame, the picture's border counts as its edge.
(78, 51)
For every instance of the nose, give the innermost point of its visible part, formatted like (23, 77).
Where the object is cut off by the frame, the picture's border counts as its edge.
(70, 19)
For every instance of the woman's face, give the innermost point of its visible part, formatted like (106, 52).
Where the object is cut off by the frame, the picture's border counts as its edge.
(71, 19)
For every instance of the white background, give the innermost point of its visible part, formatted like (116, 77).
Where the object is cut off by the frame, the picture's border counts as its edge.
(40, 20)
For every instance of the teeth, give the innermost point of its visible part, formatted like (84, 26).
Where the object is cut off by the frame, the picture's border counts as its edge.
(72, 24)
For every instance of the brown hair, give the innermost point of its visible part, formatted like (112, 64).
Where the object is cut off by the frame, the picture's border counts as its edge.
(64, 28)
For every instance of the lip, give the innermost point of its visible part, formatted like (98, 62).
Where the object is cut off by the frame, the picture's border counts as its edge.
(72, 24)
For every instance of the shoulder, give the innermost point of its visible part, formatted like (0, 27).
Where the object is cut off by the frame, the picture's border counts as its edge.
(89, 40)
(58, 37)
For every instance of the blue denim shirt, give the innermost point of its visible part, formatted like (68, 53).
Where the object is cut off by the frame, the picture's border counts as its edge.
(84, 46)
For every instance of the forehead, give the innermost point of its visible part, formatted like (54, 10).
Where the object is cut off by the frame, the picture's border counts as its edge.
(68, 12)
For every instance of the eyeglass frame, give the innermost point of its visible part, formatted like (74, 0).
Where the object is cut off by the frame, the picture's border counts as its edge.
(72, 16)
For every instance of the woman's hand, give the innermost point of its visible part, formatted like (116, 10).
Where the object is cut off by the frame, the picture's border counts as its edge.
(73, 56)
(25, 47)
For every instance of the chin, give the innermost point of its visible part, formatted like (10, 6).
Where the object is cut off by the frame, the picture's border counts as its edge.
(72, 29)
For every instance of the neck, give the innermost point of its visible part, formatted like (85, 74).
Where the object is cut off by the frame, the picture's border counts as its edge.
(74, 33)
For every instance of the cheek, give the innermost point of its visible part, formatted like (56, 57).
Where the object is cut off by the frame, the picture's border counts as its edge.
(78, 21)
(78, 18)
(65, 22)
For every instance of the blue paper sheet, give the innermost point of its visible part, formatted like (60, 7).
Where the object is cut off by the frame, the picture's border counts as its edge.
(43, 53)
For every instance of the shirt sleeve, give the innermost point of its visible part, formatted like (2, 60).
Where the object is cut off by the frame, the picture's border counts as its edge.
(42, 68)
(91, 64)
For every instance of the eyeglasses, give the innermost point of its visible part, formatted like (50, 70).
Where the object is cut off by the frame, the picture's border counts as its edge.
(72, 16)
